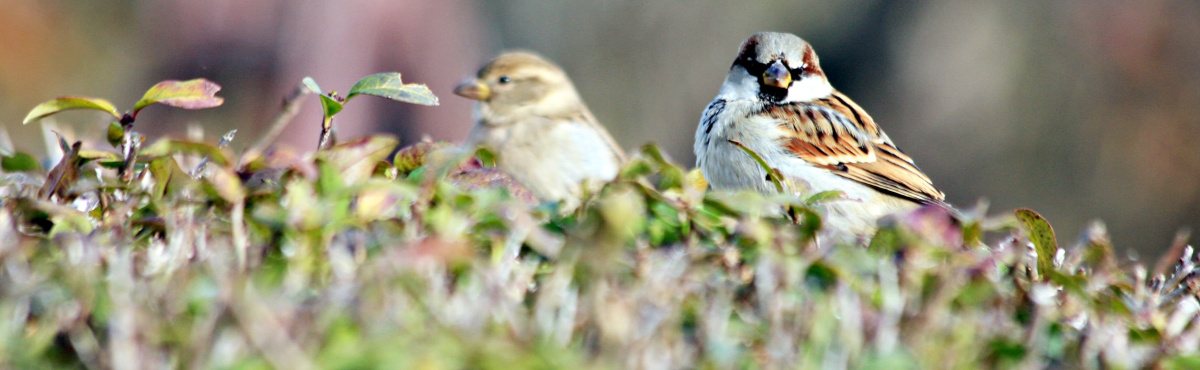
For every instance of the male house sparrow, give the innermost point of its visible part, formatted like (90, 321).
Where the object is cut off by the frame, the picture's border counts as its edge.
(777, 102)
(531, 117)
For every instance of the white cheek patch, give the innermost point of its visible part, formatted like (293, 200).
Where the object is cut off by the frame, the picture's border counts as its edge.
(740, 85)
(809, 89)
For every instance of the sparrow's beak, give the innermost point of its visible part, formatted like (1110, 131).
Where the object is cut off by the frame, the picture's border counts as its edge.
(777, 75)
(473, 89)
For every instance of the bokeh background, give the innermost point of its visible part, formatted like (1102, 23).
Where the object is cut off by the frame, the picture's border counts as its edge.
(1080, 110)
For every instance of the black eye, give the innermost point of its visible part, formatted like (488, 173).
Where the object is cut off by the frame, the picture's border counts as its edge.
(754, 67)
(504, 79)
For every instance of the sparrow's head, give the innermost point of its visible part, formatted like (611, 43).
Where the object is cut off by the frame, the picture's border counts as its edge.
(517, 84)
(777, 68)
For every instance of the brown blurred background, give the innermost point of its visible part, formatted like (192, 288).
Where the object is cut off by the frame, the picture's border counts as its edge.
(1077, 109)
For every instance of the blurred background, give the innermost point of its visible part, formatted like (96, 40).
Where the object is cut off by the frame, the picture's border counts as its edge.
(1080, 110)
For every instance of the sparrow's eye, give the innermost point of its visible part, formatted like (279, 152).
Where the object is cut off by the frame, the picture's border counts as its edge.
(504, 79)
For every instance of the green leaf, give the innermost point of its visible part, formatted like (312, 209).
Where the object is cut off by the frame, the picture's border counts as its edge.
(823, 197)
(100, 155)
(1042, 236)
(20, 162)
(388, 85)
(168, 177)
(70, 102)
(191, 94)
(115, 134)
(330, 107)
(486, 157)
(772, 173)
(167, 147)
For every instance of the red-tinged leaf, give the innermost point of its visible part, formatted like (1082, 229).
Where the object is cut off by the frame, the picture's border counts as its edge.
(70, 102)
(413, 156)
(934, 224)
(490, 178)
(191, 94)
(1042, 236)
(356, 160)
(167, 147)
(62, 175)
(388, 85)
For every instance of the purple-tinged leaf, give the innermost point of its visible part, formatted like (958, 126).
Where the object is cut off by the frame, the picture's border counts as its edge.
(191, 94)
(490, 178)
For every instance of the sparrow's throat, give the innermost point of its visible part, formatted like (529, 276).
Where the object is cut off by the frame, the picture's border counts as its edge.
(774, 82)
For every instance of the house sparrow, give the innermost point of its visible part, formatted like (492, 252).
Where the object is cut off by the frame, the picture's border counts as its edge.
(542, 134)
(777, 102)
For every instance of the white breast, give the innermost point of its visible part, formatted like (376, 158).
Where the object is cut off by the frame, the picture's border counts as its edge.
(726, 166)
(551, 158)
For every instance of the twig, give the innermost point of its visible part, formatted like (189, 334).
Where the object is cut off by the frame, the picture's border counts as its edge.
(291, 107)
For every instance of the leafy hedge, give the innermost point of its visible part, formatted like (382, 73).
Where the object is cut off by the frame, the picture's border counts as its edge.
(183, 254)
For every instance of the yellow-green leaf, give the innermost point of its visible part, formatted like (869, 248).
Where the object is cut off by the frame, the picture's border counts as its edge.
(70, 102)
(1042, 236)
(166, 147)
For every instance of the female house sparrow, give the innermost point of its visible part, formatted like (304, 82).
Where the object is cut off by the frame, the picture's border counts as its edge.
(531, 117)
(777, 102)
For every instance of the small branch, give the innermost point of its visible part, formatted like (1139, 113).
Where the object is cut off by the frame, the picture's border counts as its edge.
(326, 139)
(237, 219)
(291, 107)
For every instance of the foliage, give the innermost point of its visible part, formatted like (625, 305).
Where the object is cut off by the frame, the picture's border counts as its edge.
(385, 85)
(342, 259)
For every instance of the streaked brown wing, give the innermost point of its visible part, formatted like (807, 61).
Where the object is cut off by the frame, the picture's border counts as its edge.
(837, 134)
(821, 135)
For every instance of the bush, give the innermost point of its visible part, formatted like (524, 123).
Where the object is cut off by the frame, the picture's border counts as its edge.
(342, 259)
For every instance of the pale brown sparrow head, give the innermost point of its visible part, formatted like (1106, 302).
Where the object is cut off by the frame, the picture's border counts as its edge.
(777, 102)
(530, 115)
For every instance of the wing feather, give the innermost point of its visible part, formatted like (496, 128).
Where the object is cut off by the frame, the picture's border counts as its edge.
(837, 134)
